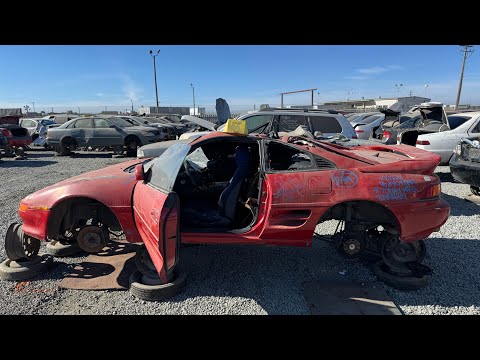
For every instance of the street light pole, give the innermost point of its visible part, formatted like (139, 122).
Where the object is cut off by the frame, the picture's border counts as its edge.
(132, 105)
(467, 50)
(426, 86)
(155, 73)
(193, 91)
(33, 103)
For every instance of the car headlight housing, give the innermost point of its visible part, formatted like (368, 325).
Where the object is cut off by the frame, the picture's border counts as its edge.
(140, 153)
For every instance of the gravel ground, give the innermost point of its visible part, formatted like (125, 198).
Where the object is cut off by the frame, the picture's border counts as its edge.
(241, 279)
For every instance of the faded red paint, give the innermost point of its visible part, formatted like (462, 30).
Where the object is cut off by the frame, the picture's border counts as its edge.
(291, 203)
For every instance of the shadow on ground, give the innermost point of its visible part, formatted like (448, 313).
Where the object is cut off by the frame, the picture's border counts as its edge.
(460, 206)
(25, 163)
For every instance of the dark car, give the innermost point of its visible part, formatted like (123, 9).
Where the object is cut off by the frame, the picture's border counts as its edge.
(423, 118)
(98, 132)
(17, 137)
(465, 164)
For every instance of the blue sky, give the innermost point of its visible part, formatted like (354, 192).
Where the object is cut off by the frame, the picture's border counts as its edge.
(92, 77)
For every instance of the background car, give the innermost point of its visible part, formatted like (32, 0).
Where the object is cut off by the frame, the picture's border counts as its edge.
(36, 127)
(465, 164)
(95, 132)
(17, 137)
(364, 127)
(442, 142)
(281, 121)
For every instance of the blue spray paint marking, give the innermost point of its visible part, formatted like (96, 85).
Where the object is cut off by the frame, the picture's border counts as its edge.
(345, 178)
(290, 191)
(394, 187)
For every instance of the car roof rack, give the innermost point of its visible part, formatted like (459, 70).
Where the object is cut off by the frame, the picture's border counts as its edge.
(300, 110)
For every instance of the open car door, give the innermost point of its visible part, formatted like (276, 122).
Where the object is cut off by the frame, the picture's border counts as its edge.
(156, 209)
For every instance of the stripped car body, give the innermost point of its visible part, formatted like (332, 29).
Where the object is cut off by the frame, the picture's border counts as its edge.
(465, 164)
(277, 196)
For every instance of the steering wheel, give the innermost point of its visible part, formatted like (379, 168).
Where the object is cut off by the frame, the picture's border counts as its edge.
(189, 170)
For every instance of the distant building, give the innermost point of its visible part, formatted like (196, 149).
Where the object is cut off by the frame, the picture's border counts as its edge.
(107, 112)
(197, 111)
(402, 104)
(151, 110)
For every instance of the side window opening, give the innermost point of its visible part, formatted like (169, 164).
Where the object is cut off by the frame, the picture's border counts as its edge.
(286, 158)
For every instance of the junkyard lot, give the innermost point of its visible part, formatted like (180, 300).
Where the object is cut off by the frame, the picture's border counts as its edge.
(240, 279)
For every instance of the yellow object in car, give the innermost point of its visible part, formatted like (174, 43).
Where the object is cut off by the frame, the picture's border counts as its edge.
(236, 127)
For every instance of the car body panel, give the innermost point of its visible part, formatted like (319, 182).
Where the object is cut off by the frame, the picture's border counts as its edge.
(290, 202)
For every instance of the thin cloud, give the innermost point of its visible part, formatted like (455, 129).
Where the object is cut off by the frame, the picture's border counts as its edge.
(356, 77)
(374, 70)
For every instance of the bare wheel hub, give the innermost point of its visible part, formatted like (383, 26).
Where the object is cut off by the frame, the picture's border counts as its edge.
(91, 239)
(351, 246)
(18, 245)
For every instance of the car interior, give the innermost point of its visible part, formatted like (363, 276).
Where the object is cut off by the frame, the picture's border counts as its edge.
(219, 183)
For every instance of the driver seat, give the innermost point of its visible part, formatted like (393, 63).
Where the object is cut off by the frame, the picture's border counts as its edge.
(226, 210)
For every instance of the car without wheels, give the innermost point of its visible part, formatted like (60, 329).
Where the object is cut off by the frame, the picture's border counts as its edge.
(228, 189)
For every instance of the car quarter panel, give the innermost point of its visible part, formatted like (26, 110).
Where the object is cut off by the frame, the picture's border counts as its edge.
(117, 184)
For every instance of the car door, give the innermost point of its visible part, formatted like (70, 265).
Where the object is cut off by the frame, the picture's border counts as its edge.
(106, 135)
(292, 187)
(82, 132)
(156, 209)
(474, 131)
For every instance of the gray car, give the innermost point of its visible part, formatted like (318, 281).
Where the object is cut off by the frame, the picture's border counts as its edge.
(365, 126)
(95, 132)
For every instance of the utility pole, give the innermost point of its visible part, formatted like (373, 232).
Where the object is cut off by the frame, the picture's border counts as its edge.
(33, 103)
(132, 105)
(467, 51)
(78, 110)
(155, 73)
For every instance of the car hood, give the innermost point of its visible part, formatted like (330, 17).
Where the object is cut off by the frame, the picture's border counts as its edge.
(110, 180)
(203, 123)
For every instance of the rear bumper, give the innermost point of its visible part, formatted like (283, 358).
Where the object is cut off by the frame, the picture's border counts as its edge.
(464, 171)
(23, 141)
(419, 220)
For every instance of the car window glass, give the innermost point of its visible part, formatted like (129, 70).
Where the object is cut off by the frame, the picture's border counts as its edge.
(256, 121)
(162, 172)
(83, 124)
(370, 119)
(325, 124)
(198, 157)
(289, 123)
(101, 123)
(28, 123)
(456, 121)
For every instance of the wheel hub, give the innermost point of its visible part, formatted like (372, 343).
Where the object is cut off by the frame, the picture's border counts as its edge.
(351, 246)
(91, 239)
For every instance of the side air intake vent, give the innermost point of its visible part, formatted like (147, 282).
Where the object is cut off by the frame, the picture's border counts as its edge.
(324, 164)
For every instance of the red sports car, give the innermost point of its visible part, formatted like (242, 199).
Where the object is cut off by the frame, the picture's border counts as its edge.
(229, 189)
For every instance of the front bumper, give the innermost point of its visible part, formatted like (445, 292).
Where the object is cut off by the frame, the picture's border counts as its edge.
(35, 223)
(419, 220)
(465, 171)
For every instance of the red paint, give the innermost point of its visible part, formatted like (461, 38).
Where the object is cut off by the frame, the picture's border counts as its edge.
(291, 203)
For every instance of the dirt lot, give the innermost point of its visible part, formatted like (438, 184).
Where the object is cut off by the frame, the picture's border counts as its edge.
(241, 279)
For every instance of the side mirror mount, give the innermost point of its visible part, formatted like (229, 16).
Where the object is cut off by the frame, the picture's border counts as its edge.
(139, 174)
